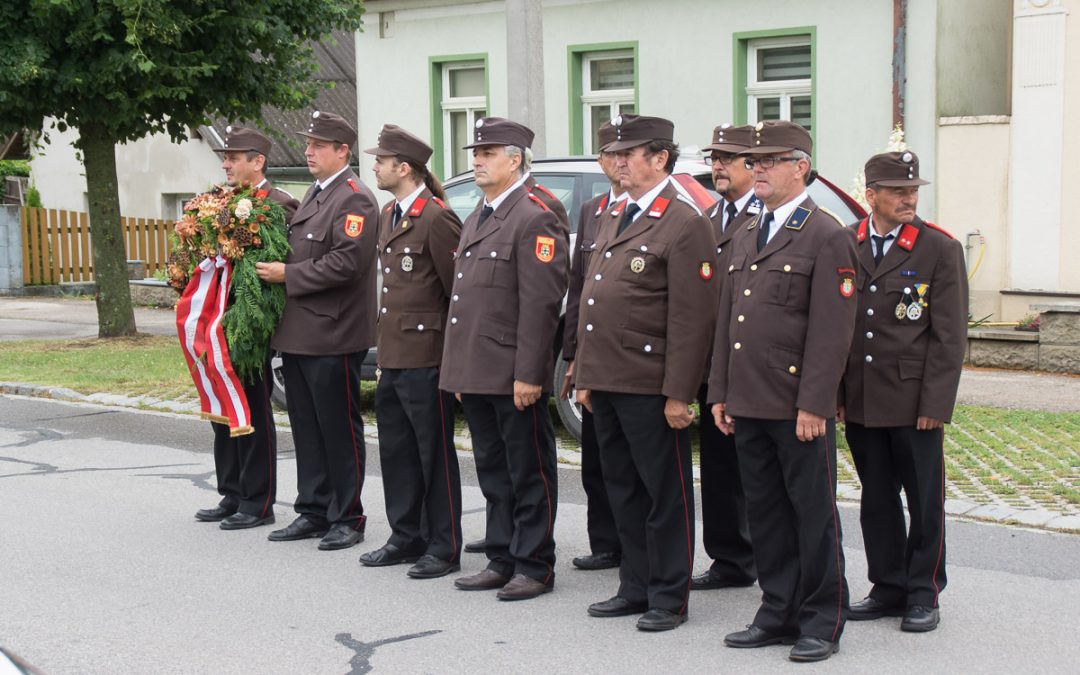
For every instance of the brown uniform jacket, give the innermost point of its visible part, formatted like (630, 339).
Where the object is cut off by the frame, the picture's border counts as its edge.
(588, 225)
(550, 200)
(283, 199)
(786, 318)
(509, 280)
(901, 369)
(418, 274)
(330, 302)
(649, 301)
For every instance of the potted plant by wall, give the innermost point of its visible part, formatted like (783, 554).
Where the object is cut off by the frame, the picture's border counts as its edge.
(1029, 323)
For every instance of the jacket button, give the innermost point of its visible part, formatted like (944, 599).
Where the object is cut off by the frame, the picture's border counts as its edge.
(309, 235)
(644, 248)
(420, 326)
(598, 277)
(742, 318)
(730, 267)
(869, 359)
(453, 320)
(787, 268)
(647, 348)
(407, 250)
(737, 345)
(870, 312)
(746, 292)
(792, 369)
(753, 268)
(588, 327)
(383, 310)
(455, 297)
(387, 249)
(468, 254)
(386, 270)
(873, 288)
(493, 254)
(459, 275)
(869, 335)
(590, 302)
(608, 254)
(385, 289)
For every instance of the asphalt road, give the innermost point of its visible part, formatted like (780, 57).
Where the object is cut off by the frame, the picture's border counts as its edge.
(104, 570)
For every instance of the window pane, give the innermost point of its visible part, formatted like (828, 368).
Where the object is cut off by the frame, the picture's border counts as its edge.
(800, 111)
(611, 74)
(466, 82)
(459, 136)
(768, 109)
(625, 108)
(598, 114)
(463, 198)
(783, 63)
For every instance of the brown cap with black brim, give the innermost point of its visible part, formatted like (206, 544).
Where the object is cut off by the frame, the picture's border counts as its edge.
(894, 169)
(499, 131)
(394, 141)
(242, 139)
(326, 126)
(728, 138)
(774, 136)
(634, 130)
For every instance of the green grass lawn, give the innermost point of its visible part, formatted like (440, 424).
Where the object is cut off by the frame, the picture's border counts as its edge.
(1024, 458)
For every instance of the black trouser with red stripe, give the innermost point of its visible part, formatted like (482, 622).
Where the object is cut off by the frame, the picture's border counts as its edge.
(247, 465)
(906, 566)
(790, 488)
(328, 432)
(515, 459)
(419, 462)
(725, 529)
(647, 470)
(599, 520)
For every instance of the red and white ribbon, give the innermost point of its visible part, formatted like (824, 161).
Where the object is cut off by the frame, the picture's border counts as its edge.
(218, 363)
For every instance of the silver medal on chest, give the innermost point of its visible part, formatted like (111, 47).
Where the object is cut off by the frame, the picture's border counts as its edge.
(406, 263)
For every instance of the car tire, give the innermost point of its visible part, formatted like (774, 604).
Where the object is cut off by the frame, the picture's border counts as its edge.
(277, 394)
(569, 409)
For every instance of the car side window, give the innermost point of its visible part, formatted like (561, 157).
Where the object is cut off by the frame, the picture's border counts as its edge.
(463, 198)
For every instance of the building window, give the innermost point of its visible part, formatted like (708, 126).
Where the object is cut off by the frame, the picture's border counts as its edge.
(779, 79)
(603, 84)
(459, 98)
(607, 90)
(172, 204)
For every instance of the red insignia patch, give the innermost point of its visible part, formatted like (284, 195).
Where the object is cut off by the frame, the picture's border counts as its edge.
(847, 287)
(705, 271)
(862, 229)
(354, 225)
(417, 207)
(658, 207)
(907, 237)
(545, 249)
(262, 194)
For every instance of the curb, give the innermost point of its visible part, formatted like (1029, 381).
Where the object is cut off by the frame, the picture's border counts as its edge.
(1040, 519)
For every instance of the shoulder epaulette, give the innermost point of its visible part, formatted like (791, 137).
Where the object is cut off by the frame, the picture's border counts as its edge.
(543, 189)
(832, 215)
(352, 184)
(539, 201)
(438, 201)
(939, 229)
(683, 198)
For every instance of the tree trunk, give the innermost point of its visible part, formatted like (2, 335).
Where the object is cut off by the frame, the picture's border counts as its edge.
(115, 315)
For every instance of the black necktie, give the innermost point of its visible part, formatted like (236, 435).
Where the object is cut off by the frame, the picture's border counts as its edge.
(879, 247)
(628, 217)
(396, 217)
(314, 193)
(484, 213)
(730, 212)
(763, 230)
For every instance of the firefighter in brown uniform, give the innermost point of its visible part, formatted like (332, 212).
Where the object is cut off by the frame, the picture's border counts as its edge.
(247, 465)
(326, 329)
(417, 239)
(787, 312)
(724, 528)
(647, 313)
(556, 206)
(604, 548)
(509, 281)
(900, 388)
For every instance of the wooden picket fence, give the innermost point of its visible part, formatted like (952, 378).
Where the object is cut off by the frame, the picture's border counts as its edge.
(56, 245)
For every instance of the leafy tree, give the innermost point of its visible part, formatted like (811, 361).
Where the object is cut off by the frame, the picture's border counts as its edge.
(118, 70)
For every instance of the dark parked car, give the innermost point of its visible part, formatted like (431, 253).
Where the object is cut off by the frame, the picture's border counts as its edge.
(576, 180)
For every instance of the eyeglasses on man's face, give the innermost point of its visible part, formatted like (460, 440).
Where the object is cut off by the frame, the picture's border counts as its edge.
(766, 162)
(724, 159)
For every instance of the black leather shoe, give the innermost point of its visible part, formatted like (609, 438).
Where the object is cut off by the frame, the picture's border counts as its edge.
(710, 579)
(340, 536)
(301, 528)
(617, 607)
(478, 546)
(597, 561)
(754, 637)
(387, 555)
(869, 609)
(430, 567)
(661, 619)
(919, 619)
(243, 521)
(216, 514)
(813, 649)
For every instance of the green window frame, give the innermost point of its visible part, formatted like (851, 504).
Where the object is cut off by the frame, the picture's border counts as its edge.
(437, 69)
(744, 45)
(578, 57)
